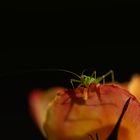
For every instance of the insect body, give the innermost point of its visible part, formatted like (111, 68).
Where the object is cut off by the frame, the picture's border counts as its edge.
(83, 79)
(87, 80)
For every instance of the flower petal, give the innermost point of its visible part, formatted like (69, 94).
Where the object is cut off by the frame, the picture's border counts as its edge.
(68, 117)
(38, 102)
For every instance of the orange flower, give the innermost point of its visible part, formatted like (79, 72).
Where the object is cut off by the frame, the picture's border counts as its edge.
(86, 113)
(134, 86)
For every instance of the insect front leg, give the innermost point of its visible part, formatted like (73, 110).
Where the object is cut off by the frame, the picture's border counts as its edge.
(74, 80)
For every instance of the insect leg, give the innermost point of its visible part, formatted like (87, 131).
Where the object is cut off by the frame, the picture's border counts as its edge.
(105, 75)
(94, 74)
(74, 80)
(82, 73)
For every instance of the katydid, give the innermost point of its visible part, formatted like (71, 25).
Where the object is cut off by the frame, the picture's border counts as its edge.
(85, 80)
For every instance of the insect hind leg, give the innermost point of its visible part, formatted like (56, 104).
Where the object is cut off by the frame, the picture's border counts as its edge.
(107, 74)
(94, 74)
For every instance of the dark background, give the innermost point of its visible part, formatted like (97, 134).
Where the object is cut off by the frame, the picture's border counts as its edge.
(15, 118)
(72, 39)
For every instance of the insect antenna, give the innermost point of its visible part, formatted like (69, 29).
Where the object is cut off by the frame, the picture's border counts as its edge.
(36, 70)
(68, 71)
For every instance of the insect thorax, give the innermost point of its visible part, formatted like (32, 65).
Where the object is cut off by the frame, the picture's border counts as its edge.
(87, 80)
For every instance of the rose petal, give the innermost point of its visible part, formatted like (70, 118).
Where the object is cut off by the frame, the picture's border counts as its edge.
(38, 101)
(69, 117)
(133, 85)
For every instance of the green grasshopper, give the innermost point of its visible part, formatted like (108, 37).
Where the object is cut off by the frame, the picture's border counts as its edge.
(85, 80)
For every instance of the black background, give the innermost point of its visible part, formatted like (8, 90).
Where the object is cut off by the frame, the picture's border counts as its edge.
(15, 88)
(72, 39)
